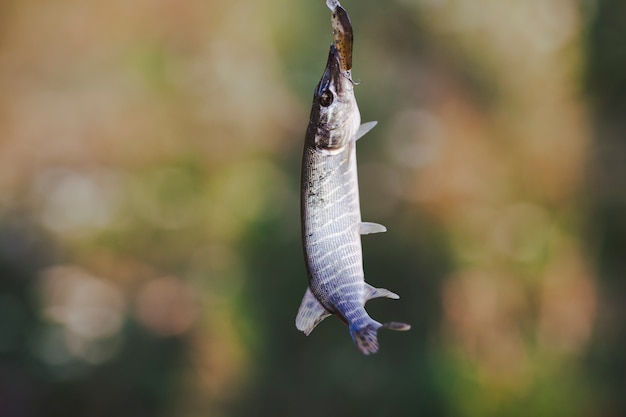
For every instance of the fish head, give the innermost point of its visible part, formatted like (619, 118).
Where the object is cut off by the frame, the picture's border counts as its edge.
(335, 114)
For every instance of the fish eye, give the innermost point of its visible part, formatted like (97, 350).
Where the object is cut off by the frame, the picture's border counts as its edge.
(326, 99)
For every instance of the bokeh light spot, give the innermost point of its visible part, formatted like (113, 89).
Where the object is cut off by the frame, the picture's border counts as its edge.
(166, 306)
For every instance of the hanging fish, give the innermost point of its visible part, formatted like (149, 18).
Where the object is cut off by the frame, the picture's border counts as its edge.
(331, 215)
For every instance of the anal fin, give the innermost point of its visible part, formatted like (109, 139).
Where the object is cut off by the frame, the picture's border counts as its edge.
(373, 292)
(310, 313)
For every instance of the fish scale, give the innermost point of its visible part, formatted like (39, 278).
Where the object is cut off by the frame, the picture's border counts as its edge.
(331, 214)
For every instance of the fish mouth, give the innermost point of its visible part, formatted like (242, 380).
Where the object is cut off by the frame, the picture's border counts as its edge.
(333, 73)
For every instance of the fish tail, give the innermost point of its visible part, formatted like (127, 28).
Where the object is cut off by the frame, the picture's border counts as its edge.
(399, 327)
(366, 337)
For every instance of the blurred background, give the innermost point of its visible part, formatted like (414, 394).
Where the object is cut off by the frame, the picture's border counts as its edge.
(150, 259)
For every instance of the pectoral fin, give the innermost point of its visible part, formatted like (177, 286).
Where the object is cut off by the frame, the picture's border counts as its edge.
(365, 228)
(310, 313)
(363, 129)
(371, 292)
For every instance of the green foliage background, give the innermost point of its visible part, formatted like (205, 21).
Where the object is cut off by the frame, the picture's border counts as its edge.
(150, 259)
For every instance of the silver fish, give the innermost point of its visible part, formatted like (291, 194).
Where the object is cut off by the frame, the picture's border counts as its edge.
(331, 215)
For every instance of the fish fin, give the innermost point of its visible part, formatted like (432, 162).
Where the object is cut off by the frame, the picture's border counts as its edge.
(372, 292)
(310, 313)
(363, 129)
(394, 325)
(366, 228)
(366, 337)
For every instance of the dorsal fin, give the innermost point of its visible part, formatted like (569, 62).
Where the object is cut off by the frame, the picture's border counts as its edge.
(363, 129)
(310, 313)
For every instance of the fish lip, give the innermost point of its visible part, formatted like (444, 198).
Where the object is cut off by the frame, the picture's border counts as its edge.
(332, 72)
(334, 75)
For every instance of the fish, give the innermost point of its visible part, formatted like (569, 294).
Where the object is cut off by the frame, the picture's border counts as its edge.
(330, 207)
